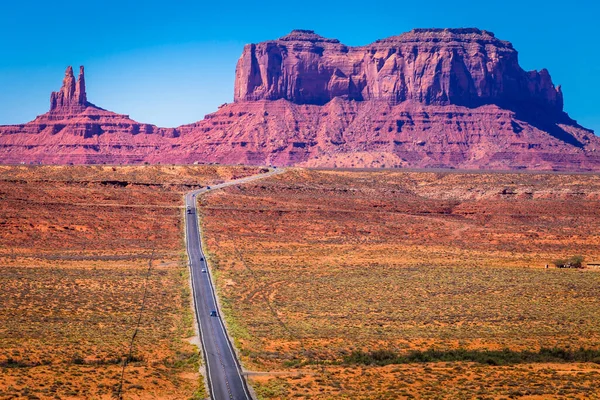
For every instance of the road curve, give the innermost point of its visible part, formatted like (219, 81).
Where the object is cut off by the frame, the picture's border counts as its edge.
(224, 373)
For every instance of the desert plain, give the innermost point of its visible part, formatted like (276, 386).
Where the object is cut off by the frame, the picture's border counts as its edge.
(334, 284)
(363, 284)
(76, 244)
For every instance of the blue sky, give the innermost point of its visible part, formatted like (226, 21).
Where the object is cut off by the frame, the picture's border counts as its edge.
(170, 63)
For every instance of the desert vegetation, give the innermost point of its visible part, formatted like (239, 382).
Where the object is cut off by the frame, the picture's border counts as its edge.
(76, 244)
(411, 285)
(571, 262)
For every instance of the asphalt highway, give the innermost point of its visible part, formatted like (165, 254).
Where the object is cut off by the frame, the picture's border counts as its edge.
(224, 373)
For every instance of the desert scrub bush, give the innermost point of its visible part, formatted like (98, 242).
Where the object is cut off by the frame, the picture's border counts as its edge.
(272, 388)
(489, 357)
(571, 262)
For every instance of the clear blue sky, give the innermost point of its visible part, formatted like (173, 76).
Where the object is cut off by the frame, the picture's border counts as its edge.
(171, 62)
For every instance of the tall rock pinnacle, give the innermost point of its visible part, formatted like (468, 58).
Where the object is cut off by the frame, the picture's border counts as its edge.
(80, 95)
(71, 97)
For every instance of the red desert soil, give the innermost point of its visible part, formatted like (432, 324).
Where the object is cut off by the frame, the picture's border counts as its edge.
(75, 243)
(312, 265)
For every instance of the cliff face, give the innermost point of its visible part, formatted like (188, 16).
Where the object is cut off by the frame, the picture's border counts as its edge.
(467, 67)
(451, 98)
(359, 134)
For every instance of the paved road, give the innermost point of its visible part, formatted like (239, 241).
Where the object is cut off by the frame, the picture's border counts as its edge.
(224, 373)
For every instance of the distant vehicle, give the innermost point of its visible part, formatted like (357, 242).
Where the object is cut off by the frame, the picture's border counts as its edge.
(213, 313)
(189, 210)
(208, 188)
(201, 258)
(203, 270)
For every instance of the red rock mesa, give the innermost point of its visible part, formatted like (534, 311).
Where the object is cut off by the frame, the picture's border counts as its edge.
(451, 98)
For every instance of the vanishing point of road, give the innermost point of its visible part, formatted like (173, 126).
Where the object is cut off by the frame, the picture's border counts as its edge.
(223, 370)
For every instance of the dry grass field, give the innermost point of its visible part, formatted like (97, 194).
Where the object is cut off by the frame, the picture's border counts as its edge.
(317, 269)
(75, 246)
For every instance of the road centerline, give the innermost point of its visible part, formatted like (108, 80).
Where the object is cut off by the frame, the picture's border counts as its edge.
(224, 371)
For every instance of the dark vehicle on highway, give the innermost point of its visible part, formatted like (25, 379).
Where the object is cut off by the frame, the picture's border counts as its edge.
(213, 313)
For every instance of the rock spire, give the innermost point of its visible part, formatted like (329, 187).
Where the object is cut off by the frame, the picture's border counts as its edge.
(71, 97)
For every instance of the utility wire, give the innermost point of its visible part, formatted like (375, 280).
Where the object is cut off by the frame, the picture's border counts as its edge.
(137, 327)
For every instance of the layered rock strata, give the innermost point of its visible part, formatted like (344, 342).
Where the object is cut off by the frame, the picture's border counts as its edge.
(467, 67)
(445, 98)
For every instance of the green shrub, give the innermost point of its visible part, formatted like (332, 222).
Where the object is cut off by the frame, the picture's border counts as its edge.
(572, 262)
(488, 357)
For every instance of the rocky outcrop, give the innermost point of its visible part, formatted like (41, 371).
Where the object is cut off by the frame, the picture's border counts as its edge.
(75, 130)
(444, 98)
(467, 67)
(358, 134)
(71, 98)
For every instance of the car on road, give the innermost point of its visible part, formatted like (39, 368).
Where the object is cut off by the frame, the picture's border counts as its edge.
(208, 188)
(203, 270)
(213, 313)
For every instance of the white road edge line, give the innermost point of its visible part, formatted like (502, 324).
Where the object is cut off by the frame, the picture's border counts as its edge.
(197, 315)
(193, 195)
(212, 289)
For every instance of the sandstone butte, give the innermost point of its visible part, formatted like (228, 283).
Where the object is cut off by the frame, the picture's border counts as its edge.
(429, 98)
